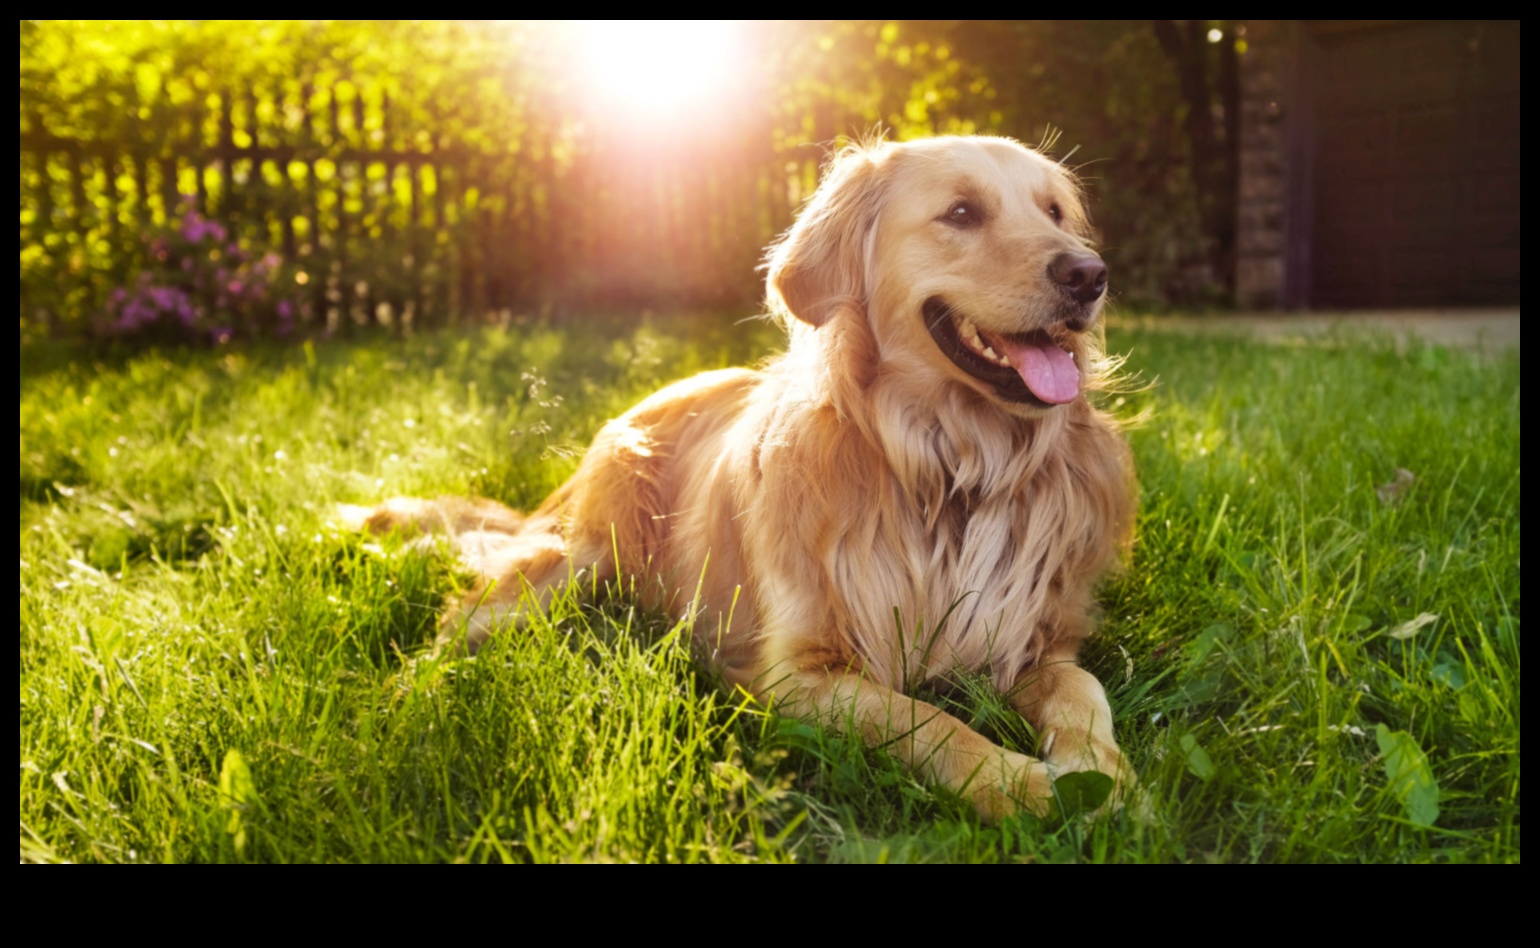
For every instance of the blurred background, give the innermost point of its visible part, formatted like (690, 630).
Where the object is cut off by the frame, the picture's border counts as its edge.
(204, 181)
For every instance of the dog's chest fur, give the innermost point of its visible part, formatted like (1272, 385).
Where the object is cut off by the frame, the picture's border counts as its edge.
(972, 551)
(963, 588)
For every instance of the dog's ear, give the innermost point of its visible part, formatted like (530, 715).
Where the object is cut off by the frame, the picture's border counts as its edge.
(819, 264)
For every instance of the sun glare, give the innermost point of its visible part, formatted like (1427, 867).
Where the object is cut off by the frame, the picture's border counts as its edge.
(656, 69)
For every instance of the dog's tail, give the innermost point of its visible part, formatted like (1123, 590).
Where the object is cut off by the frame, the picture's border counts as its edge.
(410, 516)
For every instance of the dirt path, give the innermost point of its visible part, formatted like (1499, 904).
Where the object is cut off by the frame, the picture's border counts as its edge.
(1490, 330)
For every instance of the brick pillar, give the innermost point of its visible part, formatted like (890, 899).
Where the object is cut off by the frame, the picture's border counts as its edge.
(1262, 264)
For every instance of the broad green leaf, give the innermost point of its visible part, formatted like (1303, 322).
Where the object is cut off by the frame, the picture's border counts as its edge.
(1204, 642)
(1201, 688)
(1199, 763)
(236, 790)
(1082, 792)
(1449, 673)
(1353, 623)
(1408, 775)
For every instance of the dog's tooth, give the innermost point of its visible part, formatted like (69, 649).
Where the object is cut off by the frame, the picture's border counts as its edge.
(993, 355)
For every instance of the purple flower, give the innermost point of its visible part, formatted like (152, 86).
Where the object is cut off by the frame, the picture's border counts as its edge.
(133, 315)
(195, 227)
(197, 269)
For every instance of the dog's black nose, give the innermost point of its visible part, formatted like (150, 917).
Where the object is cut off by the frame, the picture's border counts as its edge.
(1083, 275)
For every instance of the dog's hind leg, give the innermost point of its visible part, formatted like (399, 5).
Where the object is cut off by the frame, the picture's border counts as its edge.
(450, 515)
(519, 572)
(511, 554)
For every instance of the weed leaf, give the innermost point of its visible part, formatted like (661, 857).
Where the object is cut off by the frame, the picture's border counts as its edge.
(1082, 792)
(1450, 674)
(1199, 763)
(1408, 775)
(235, 791)
(1204, 642)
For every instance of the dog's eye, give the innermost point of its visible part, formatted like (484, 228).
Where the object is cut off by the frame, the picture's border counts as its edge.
(962, 214)
(1056, 213)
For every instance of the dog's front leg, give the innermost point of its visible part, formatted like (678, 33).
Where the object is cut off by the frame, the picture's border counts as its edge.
(937, 746)
(1068, 706)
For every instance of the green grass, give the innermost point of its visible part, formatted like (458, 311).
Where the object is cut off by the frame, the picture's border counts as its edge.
(211, 671)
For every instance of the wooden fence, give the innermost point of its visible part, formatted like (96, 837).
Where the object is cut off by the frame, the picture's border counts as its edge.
(386, 227)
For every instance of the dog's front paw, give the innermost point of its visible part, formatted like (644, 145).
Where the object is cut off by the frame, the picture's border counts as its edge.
(1010, 783)
(1065, 757)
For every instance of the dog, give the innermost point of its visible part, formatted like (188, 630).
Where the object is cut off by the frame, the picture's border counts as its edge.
(918, 488)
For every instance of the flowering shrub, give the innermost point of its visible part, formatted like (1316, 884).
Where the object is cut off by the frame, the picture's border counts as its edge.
(200, 285)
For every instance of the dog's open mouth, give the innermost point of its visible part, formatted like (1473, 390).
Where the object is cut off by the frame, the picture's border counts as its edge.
(1020, 367)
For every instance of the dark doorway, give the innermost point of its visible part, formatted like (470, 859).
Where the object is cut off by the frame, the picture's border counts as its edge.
(1415, 164)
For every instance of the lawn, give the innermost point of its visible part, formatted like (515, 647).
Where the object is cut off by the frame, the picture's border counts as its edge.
(1309, 660)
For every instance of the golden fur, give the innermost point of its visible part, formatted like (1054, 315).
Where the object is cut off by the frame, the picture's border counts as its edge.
(865, 472)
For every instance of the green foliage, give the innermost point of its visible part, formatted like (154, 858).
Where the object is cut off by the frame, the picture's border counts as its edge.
(313, 139)
(187, 608)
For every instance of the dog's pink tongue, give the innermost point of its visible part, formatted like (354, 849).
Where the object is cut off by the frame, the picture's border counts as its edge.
(1048, 370)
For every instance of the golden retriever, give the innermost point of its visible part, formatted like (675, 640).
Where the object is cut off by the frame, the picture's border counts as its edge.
(918, 488)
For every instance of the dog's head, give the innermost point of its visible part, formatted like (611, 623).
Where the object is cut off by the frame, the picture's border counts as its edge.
(967, 258)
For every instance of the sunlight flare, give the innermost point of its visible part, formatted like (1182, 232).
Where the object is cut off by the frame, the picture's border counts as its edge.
(657, 69)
